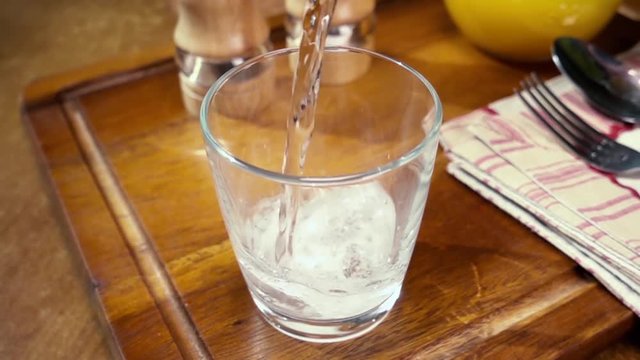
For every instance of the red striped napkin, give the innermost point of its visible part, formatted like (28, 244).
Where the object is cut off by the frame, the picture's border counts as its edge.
(507, 156)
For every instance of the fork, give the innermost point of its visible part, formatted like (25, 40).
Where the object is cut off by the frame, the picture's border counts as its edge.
(597, 149)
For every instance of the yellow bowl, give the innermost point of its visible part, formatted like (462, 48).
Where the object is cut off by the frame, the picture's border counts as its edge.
(523, 30)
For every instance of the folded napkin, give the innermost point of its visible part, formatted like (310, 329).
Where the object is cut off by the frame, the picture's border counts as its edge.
(506, 155)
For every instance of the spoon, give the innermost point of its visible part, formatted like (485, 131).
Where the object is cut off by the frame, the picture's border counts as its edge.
(611, 86)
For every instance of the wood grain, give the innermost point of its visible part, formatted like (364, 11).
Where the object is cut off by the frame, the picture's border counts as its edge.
(127, 308)
(140, 246)
(128, 168)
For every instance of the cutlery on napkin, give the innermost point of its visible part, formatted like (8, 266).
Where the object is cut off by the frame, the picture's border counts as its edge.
(504, 153)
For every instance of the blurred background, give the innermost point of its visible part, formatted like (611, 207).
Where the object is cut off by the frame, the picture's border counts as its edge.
(45, 309)
(45, 306)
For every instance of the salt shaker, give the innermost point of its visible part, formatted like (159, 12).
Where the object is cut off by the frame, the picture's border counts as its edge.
(211, 37)
(352, 24)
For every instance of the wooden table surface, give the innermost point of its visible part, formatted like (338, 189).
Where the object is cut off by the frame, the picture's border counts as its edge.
(53, 314)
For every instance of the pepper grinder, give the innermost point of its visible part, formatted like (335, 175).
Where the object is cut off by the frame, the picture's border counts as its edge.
(211, 37)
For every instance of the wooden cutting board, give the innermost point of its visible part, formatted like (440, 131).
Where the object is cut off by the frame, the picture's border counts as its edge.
(128, 169)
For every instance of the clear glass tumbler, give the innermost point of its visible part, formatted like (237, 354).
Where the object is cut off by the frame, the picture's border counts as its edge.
(360, 199)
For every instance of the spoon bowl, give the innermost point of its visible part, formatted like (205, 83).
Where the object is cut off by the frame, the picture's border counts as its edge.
(610, 86)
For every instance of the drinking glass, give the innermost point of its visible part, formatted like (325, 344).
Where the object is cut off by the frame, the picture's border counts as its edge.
(359, 201)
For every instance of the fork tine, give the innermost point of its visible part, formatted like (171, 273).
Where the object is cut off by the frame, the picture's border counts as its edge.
(567, 114)
(597, 149)
(567, 140)
(551, 119)
(556, 116)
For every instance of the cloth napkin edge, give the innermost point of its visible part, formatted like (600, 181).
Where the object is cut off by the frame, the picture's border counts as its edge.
(610, 277)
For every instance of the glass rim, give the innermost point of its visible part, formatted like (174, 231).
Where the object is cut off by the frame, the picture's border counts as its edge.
(278, 177)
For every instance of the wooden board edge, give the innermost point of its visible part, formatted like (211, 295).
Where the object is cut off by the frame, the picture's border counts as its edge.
(47, 88)
(141, 247)
(79, 260)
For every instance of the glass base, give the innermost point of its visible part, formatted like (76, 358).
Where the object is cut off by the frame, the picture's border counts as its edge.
(327, 331)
